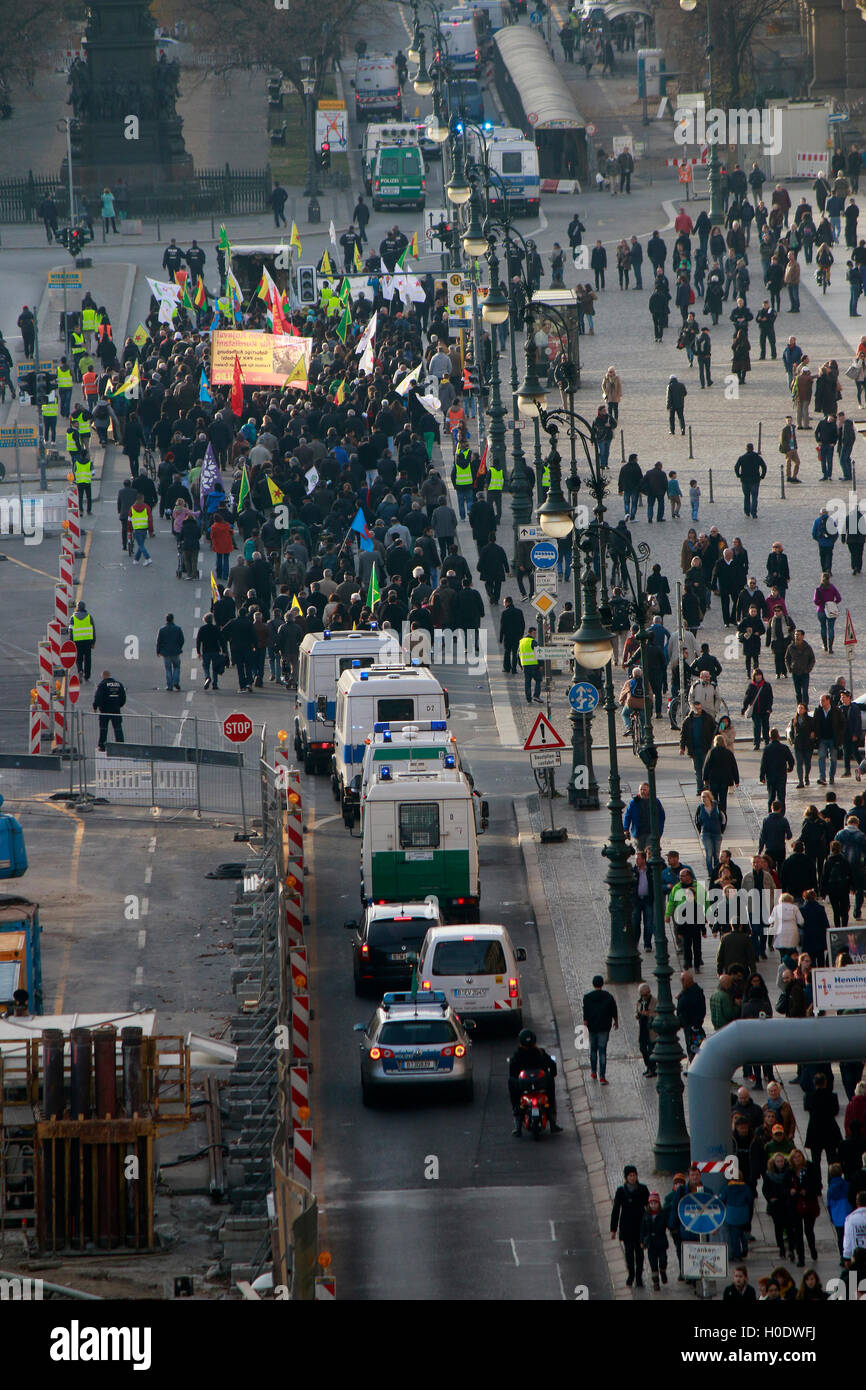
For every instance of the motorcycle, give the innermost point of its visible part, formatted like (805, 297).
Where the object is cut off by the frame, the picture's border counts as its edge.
(534, 1102)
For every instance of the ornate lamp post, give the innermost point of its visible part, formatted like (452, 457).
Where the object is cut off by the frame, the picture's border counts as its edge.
(716, 212)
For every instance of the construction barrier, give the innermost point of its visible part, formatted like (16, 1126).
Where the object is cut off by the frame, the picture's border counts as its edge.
(300, 1095)
(35, 728)
(300, 1026)
(302, 1148)
(298, 967)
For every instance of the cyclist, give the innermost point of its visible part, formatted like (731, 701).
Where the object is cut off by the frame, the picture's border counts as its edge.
(631, 697)
(824, 260)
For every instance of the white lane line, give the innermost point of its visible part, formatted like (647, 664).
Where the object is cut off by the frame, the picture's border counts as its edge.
(553, 1235)
(193, 675)
(142, 939)
(148, 873)
(145, 906)
(197, 613)
(139, 974)
(151, 844)
(561, 1285)
(198, 593)
(514, 1252)
(189, 696)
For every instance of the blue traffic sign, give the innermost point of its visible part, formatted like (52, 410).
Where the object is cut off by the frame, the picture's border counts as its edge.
(544, 555)
(701, 1213)
(583, 697)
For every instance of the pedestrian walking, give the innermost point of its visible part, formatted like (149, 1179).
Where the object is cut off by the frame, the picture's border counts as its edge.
(626, 1222)
(109, 697)
(600, 1015)
(758, 701)
(751, 470)
(83, 634)
(827, 599)
(512, 625)
(675, 399)
(169, 645)
(108, 212)
(527, 655)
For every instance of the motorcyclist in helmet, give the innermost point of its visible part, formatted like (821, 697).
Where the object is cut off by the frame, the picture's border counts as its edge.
(530, 1057)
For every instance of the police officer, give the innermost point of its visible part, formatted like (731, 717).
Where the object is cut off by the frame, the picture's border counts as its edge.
(89, 319)
(172, 259)
(766, 320)
(350, 242)
(530, 1057)
(83, 428)
(83, 466)
(79, 349)
(462, 476)
(83, 634)
(391, 248)
(65, 382)
(528, 658)
(49, 410)
(195, 258)
(109, 697)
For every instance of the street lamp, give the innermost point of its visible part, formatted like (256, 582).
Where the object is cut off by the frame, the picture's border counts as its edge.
(311, 189)
(476, 243)
(716, 210)
(423, 83)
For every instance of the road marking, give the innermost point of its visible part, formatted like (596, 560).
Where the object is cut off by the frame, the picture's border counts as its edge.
(151, 844)
(193, 675)
(80, 589)
(198, 594)
(197, 612)
(514, 1251)
(323, 820)
(145, 906)
(73, 883)
(553, 1235)
(142, 939)
(561, 1285)
(189, 696)
(33, 569)
(139, 974)
(148, 873)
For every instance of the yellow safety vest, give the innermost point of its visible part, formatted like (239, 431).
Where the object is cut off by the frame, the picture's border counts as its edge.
(89, 320)
(83, 471)
(82, 628)
(64, 377)
(49, 409)
(72, 441)
(463, 468)
(526, 652)
(138, 517)
(545, 477)
(77, 341)
(496, 480)
(83, 429)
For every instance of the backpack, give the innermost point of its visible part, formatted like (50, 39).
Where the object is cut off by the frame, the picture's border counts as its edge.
(837, 875)
(635, 698)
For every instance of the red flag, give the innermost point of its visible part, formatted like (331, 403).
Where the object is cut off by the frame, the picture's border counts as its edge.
(237, 389)
(279, 318)
(482, 466)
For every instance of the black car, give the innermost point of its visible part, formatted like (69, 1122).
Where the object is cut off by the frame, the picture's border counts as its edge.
(385, 944)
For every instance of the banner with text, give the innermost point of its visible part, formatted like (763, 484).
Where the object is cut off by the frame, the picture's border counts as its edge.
(266, 359)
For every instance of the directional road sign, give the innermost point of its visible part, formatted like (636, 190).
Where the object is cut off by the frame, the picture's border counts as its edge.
(544, 555)
(70, 279)
(12, 435)
(583, 697)
(542, 736)
(701, 1213)
(545, 579)
(530, 533)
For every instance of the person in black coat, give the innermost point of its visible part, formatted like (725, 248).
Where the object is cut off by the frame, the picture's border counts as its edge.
(823, 1134)
(720, 771)
(626, 1221)
(468, 608)
(512, 626)
(492, 567)
(776, 762)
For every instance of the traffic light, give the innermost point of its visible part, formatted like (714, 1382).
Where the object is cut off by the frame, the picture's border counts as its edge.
(307, 291)
(442, 232)
(86, 234)
(42, 387)
(76, 241)
(325, 155)
(472, 383)
(63, 236)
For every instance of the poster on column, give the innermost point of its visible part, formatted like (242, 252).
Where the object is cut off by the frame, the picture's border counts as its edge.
(266, 359)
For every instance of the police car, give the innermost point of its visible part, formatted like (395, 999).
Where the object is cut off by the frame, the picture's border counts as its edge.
(415, 1040)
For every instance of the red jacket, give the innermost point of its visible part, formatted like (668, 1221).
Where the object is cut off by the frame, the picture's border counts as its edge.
(221, 538)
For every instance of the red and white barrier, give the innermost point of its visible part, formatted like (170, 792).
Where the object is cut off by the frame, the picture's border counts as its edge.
(63, 604)
(67, 567)
(300, 1096)
(301, 1026)
(295, 817)
(303, 1156)
(559, 186)
(711, 1167)
(58, 715)
(46, 661)
(326, 1288)
(808, 164)
(55, 639)
(43, 707)
(35, 727)
(702, 158)
(294, 906)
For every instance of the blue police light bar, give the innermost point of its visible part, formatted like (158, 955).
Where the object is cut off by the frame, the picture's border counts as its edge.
(385, 773)
(327, 634)
(449, 759)
(356, 665)
(387, 736)
(487, 125)
(374, 627)
(439, 725)
(432, 996)
(380, 728)
(365, 675)
(459, 127)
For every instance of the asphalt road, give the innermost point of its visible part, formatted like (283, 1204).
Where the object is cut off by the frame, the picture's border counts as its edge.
(504, 1219)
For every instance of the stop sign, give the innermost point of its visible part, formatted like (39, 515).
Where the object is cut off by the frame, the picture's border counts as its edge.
(73, 689)
(238, 728)
(67, 655)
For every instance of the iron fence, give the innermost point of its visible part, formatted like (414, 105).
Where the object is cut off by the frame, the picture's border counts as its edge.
(211, 192)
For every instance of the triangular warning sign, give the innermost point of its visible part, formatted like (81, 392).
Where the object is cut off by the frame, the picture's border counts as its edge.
(850, 635)
(542, 735)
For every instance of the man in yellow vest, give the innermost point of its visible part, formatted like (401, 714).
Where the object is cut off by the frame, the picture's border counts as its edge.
(83, 477)
(528, 658)
(49, 410)
(89, 323)
(65, 382)
(83, 634)
(462, 476)
(496, 480)
(79, 348)
(139, 520)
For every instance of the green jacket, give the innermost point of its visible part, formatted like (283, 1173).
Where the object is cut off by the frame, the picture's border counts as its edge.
(677, 899)
(723, 1008)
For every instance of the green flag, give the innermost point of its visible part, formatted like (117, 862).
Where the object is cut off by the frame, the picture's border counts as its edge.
(345, 292)
(402, 257)
(373, 592)
(344, 324)
(244, 489)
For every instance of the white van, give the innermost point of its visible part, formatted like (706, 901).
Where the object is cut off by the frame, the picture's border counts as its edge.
(418, 838)
(410, 750)
(515, 160)
(476, 967)
(377, 88)
(324, 656)
(461, 42)
(393, 695)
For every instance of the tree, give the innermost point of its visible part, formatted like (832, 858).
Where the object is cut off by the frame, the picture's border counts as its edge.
(23, 29)
(734, 25)
(241, 33)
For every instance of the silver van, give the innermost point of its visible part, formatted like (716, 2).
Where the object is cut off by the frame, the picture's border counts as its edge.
(377, 89)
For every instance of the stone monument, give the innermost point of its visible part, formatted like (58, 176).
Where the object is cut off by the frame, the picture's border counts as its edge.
(123, 98)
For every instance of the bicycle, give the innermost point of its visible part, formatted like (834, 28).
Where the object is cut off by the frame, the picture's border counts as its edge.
(636, 731)
(823, 277)
(149, 462)
(130, 539)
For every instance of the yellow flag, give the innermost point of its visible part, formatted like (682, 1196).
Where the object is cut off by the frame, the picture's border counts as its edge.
(295, 240)
(213, 588)
(296, 607)
(140, 336)
(298, 373)
(325, 268)
(276, 494)
(359, 264)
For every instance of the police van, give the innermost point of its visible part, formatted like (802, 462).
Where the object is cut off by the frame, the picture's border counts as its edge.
(398, 177)
(418, 837)
(391, 695)
(377, 88)
(323, 658)
(461, 42)
(515, 160)
(391, 133)
(418, 750)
